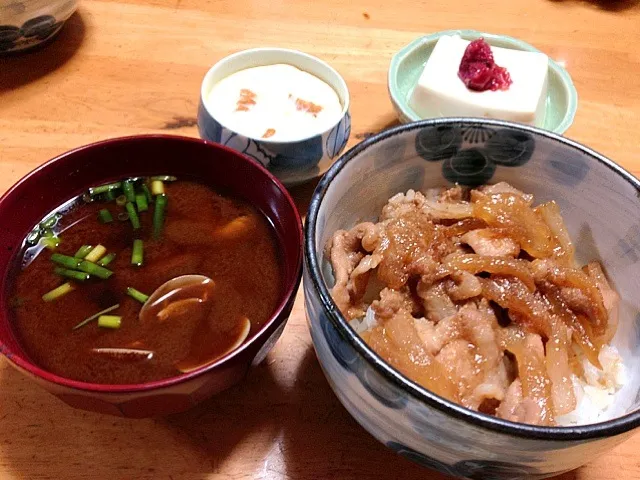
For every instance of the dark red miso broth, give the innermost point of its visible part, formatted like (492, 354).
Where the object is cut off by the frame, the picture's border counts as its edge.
(204, 232)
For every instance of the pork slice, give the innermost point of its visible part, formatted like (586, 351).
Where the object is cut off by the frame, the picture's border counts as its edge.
(343, 260)
(396, 340)
(451, 195)
(577, 289)
(435, 336)
(518, 409)
(411, 244)
(463, 286)
(401, 204)
(493, 387)
(435, 301)
(458, 360)
(391, 302)
(369, 234)
(577, 300)
(491, 242)
(445, 208)
(480, 329)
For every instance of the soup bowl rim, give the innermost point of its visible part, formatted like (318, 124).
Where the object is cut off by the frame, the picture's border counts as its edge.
(420, 394)
(274, 320)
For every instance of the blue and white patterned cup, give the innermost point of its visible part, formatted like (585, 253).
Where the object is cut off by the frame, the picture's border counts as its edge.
(292, 162)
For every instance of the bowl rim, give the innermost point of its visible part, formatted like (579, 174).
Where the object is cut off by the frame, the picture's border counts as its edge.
(407, 112)
(255, 52)
(608, 428)
(274, 321)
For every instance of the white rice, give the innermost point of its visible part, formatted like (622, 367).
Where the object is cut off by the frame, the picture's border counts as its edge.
(597, 394)
(366, 323)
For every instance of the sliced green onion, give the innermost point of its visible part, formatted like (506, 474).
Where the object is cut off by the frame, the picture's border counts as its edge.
(58, 292)
(141, 202)
(133, 216)
(137, 295)
(50, 222)
(127, 188)
(107, 259)
(137, 253)
(104, 188)
(158, 214)
(66, 261)
(33, 237)
(147, 193)
(164, 178)
(110, 195)
(93, 269)
(83, 251)
(93, 317)
(109, 321)
(123, 216)
(104, 216)
(121, 200)
(157, 187)
(51, 242)
(96, 254)
(73, 274)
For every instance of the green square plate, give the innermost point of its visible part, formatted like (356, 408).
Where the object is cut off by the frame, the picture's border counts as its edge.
(407, 65)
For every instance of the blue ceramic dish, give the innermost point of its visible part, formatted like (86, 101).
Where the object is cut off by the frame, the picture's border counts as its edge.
(26, 24)
(407, 66)
(292, 162)
(600, 204)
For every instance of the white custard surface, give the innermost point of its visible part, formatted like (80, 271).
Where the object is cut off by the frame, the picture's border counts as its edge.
(441, 93)
(276, 102)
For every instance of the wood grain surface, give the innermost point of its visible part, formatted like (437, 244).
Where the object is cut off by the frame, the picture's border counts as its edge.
(122, 67)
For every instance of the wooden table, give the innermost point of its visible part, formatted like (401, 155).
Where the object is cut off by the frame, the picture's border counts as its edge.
(123, 67)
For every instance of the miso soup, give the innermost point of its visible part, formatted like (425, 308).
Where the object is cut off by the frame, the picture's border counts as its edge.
(80, 301)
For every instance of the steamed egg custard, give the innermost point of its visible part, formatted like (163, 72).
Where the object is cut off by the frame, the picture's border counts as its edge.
(276, 102)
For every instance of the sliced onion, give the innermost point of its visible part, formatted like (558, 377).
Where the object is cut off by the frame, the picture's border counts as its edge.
(511, 212)
(532, 371)
(550, 213)
(475, 264)
(559, 370)
(549, 272)
(525, 309)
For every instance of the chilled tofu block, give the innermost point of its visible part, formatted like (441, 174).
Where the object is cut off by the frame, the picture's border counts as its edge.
(441, 93)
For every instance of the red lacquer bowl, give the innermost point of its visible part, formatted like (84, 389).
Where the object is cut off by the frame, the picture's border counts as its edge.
(70, 174)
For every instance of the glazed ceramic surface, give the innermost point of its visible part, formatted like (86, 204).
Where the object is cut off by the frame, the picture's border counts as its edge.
(27, 23)
(292, 162)
(73, 173)
(407, 65)
(600, 204)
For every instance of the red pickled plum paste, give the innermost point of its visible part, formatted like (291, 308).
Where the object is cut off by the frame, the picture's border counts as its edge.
(479, 71)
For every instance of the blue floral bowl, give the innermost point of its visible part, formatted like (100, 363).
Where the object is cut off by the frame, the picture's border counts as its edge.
(25, 24)
(600, 204)
(292, 162)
